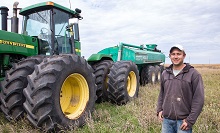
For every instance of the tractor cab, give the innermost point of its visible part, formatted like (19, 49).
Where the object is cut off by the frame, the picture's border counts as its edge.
(50, 24)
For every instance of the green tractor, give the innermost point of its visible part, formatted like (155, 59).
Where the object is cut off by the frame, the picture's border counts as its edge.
(41, 71)
(42, 75)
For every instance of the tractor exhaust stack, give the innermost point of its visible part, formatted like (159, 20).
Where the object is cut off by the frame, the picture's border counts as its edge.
(14, 19)
(4, 13)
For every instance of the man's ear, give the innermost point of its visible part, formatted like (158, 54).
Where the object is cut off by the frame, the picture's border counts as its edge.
(184, 54)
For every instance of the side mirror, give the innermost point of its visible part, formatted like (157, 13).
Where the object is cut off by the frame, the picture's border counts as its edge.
(73, 28)
(73, 21)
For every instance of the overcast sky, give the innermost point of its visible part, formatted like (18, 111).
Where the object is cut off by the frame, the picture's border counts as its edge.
(195, 24)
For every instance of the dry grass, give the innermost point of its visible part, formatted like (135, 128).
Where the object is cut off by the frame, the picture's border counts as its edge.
(140, 114)
(209, 119)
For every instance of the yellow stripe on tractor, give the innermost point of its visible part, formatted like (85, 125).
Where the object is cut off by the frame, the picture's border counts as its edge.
(16, 44)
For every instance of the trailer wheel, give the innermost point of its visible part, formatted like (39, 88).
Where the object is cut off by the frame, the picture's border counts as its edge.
(158, 73)
(101, 70)
(143, 76)
(60, 93)
(151, 74)
(123, 84)
(11, 96)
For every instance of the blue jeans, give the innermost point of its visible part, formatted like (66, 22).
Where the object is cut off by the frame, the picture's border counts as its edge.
(173, 126)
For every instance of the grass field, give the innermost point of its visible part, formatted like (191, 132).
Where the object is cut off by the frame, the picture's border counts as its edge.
(140, 114)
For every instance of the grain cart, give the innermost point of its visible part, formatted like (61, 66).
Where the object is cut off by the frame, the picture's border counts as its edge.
(41, 70)
(110, 77)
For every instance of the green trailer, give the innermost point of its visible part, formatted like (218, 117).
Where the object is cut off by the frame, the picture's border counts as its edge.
(147, 58)
(140, 55)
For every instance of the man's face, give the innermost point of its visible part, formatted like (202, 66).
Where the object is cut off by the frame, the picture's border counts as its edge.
(177, 57)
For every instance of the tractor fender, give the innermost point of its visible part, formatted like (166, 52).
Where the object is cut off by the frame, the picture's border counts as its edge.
(98, 57)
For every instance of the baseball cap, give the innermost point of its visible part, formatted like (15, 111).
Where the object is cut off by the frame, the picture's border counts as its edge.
(178, 46)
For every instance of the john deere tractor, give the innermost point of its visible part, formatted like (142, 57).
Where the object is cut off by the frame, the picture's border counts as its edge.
(42, 74)
(41, 70)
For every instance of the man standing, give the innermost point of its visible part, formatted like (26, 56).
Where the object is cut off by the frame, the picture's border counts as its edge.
(181, 95)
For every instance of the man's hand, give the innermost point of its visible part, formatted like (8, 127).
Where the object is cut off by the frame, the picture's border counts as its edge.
(160, 115)
(184, 125)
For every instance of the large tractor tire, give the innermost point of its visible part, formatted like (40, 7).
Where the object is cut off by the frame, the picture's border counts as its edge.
(123, 84)
(101, 70)
(151, 74)
(11, 95)
(60, 93)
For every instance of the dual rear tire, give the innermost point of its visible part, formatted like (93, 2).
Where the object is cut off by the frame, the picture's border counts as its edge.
(60, 93)
(116, 82)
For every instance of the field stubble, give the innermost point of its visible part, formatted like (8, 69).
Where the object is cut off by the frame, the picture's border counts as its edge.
(139, 115)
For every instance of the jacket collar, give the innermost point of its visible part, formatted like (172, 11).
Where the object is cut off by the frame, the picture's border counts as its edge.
(185, 69)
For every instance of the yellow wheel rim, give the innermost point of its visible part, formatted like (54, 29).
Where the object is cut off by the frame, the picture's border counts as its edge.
(74, 96)
(131, 84)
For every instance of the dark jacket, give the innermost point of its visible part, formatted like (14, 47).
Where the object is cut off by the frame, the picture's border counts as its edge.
(181, 96)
